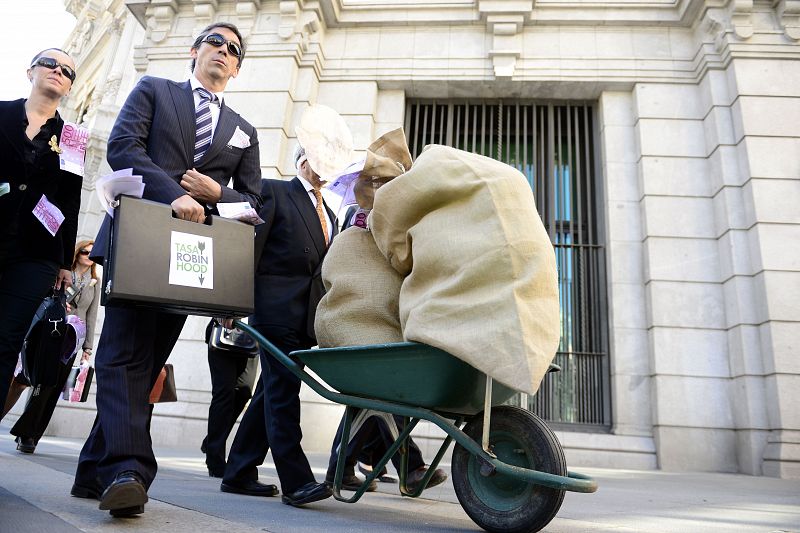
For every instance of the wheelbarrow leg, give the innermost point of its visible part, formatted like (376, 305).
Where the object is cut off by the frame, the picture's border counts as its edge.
(350, 415)
(431, 467)
(360, 419)
(487, 416)
(342, 453)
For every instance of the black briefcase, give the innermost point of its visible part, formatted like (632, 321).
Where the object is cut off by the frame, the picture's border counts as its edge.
(158, 261)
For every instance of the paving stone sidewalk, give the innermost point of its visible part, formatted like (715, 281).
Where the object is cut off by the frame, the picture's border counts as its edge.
(34, 497)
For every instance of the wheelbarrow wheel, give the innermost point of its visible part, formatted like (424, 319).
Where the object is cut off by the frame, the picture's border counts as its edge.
(503, 503)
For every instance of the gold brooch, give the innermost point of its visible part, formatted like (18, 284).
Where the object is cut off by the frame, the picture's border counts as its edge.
(54, 144)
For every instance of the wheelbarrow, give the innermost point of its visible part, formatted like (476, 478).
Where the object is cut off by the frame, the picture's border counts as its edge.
(508, 468)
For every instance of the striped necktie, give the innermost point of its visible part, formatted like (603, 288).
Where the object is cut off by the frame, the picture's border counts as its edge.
(202, 116)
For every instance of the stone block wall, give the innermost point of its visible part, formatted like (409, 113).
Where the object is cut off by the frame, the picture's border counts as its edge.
(698, 136)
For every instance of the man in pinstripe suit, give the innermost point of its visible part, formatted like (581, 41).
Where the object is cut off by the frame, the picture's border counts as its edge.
(187, 145)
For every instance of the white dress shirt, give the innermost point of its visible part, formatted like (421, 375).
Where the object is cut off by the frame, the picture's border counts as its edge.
(214, 107)
(310, 191)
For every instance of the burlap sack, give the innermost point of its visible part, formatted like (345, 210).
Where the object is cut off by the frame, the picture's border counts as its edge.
(387, 158)
(361, 303)
(481, 281)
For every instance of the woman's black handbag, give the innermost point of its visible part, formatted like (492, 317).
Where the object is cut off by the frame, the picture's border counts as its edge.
(234, 342)
(47, 338)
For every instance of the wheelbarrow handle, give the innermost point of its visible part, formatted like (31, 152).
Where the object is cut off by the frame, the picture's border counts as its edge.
(298, 370)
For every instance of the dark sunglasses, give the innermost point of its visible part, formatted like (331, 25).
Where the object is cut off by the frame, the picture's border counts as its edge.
(215, 39)
(52, 64)
(84, 252)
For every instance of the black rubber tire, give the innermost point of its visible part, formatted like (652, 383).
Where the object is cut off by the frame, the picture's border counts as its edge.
(501, 503)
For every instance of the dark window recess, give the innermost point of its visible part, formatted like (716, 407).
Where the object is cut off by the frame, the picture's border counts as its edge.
(553, 145)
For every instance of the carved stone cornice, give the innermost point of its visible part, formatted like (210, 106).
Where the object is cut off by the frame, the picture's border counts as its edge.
(246, 15)
(742, 18)
(159, 17)
(88, 8)
(140, 60)
(299, 20)
(345, 13)
(504, 20)
(726, 22)
(139, 10)
(204, 13)
(714, 27)
(289, 15)
(74, 7)
(788, 13)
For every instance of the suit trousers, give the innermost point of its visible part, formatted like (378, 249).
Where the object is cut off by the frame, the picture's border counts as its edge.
(273, 419)
(40, 406)
(232, 382)
(133, 347)
(370, 443)
(23, 286)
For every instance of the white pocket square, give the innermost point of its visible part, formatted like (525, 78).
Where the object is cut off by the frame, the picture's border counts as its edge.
(239, 139)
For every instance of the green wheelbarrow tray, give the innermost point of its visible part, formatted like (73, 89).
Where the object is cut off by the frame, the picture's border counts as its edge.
(415, 381)
(409, 373)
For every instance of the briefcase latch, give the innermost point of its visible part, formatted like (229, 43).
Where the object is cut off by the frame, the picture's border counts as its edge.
(108, 288)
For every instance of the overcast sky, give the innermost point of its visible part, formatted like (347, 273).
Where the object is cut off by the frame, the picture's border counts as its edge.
(31, 25)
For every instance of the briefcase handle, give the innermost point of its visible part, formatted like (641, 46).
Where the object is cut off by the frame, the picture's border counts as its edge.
(209, 217)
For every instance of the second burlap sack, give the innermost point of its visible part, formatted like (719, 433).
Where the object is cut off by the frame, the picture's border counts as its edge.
(481, 273)
(360, 305)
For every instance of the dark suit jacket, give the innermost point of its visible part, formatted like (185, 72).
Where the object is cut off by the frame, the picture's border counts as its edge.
(348, 216)
(290, 248)
(154, 134)
(62, 188)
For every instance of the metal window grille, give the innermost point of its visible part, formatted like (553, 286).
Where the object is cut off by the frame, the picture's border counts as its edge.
(553, 145)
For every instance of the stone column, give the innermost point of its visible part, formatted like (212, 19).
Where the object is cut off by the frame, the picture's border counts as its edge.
(726, 182)
(630, 364)
(692, 415)
(766, 133)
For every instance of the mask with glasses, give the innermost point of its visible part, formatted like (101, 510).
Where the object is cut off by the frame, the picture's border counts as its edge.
(52, 64)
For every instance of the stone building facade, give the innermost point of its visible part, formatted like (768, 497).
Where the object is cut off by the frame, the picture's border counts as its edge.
(694, 113)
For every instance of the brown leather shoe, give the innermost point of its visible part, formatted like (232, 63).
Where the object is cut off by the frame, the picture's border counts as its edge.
(384, 476)
(352, 482)
(415, 477)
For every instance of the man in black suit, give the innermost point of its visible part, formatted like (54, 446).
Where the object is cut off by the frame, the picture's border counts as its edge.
(233, 378)
(187, 145)
(290, 247)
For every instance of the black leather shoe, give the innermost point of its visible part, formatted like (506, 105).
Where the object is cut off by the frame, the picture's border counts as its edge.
(26, 444)
(125, 496)
(310, 492)
(90, 492)
(352, 482)
(250, 487)
(215, 472)
(127, 512)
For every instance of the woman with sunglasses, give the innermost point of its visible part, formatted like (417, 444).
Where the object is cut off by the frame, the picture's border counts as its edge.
(39, 203)
(83, 298)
